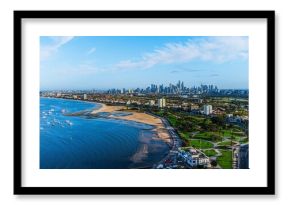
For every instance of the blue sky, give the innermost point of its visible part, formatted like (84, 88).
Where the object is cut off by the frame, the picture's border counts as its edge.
(96, 62)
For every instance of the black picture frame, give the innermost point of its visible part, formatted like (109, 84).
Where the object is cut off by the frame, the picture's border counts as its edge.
(268, 190)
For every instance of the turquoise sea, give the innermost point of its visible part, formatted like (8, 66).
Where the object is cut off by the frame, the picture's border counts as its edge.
(82, 142)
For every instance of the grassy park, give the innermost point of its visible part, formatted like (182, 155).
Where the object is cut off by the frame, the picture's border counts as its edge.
(206, 133)
(210, 152)
(201, 144)
(225, 160)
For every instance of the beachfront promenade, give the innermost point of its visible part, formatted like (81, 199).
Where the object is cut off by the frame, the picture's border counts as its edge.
(175, 142)
(175, 139)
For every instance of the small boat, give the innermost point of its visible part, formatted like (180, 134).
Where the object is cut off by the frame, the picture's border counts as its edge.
(55, 121)
(69, 122)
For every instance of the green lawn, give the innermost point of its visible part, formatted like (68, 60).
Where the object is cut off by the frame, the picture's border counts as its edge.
(244, 140)
(172, 120)
(197, 119)
(209, 152)
(209, 136)
(200, 144)
(184, 135)
(225, 161)
(226, 133)
(225, 143)
(203, 135)
(240, 134)
(229, 133)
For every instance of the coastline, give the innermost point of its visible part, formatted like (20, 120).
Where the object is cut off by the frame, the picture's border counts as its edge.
(107, 108)
(57, 98)
(144, 145)
(141, 117)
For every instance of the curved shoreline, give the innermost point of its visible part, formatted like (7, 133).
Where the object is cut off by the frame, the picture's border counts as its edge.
(161, 128)
(140, 117)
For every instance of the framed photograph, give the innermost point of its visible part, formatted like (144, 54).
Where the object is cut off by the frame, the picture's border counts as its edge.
(144, 102)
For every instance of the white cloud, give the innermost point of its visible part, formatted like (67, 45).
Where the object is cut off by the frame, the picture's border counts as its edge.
(215, 49)
(47, 50)
(92, 50)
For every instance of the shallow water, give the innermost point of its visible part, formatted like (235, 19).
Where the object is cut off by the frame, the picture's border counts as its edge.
(79, 142)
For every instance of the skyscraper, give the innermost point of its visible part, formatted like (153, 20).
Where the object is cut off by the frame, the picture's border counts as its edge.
(178, 85)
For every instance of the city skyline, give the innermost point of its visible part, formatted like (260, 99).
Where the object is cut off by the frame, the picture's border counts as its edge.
(136, 62)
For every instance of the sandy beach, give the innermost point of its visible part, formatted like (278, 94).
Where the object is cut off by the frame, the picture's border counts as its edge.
(107, 108)
(138, 117)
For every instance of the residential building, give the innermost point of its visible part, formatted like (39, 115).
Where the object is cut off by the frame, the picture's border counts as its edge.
(194, 158)
(161, 102)
(207, 109)
(194, 107)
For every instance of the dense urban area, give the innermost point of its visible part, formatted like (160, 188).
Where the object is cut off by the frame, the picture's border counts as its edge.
(208, 126)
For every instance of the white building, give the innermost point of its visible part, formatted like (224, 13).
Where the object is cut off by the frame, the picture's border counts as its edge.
(194, 159)
(85, 97)
(207, 109)
(161, 103)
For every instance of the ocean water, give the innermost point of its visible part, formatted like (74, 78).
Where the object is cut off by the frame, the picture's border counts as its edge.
(81, 142)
